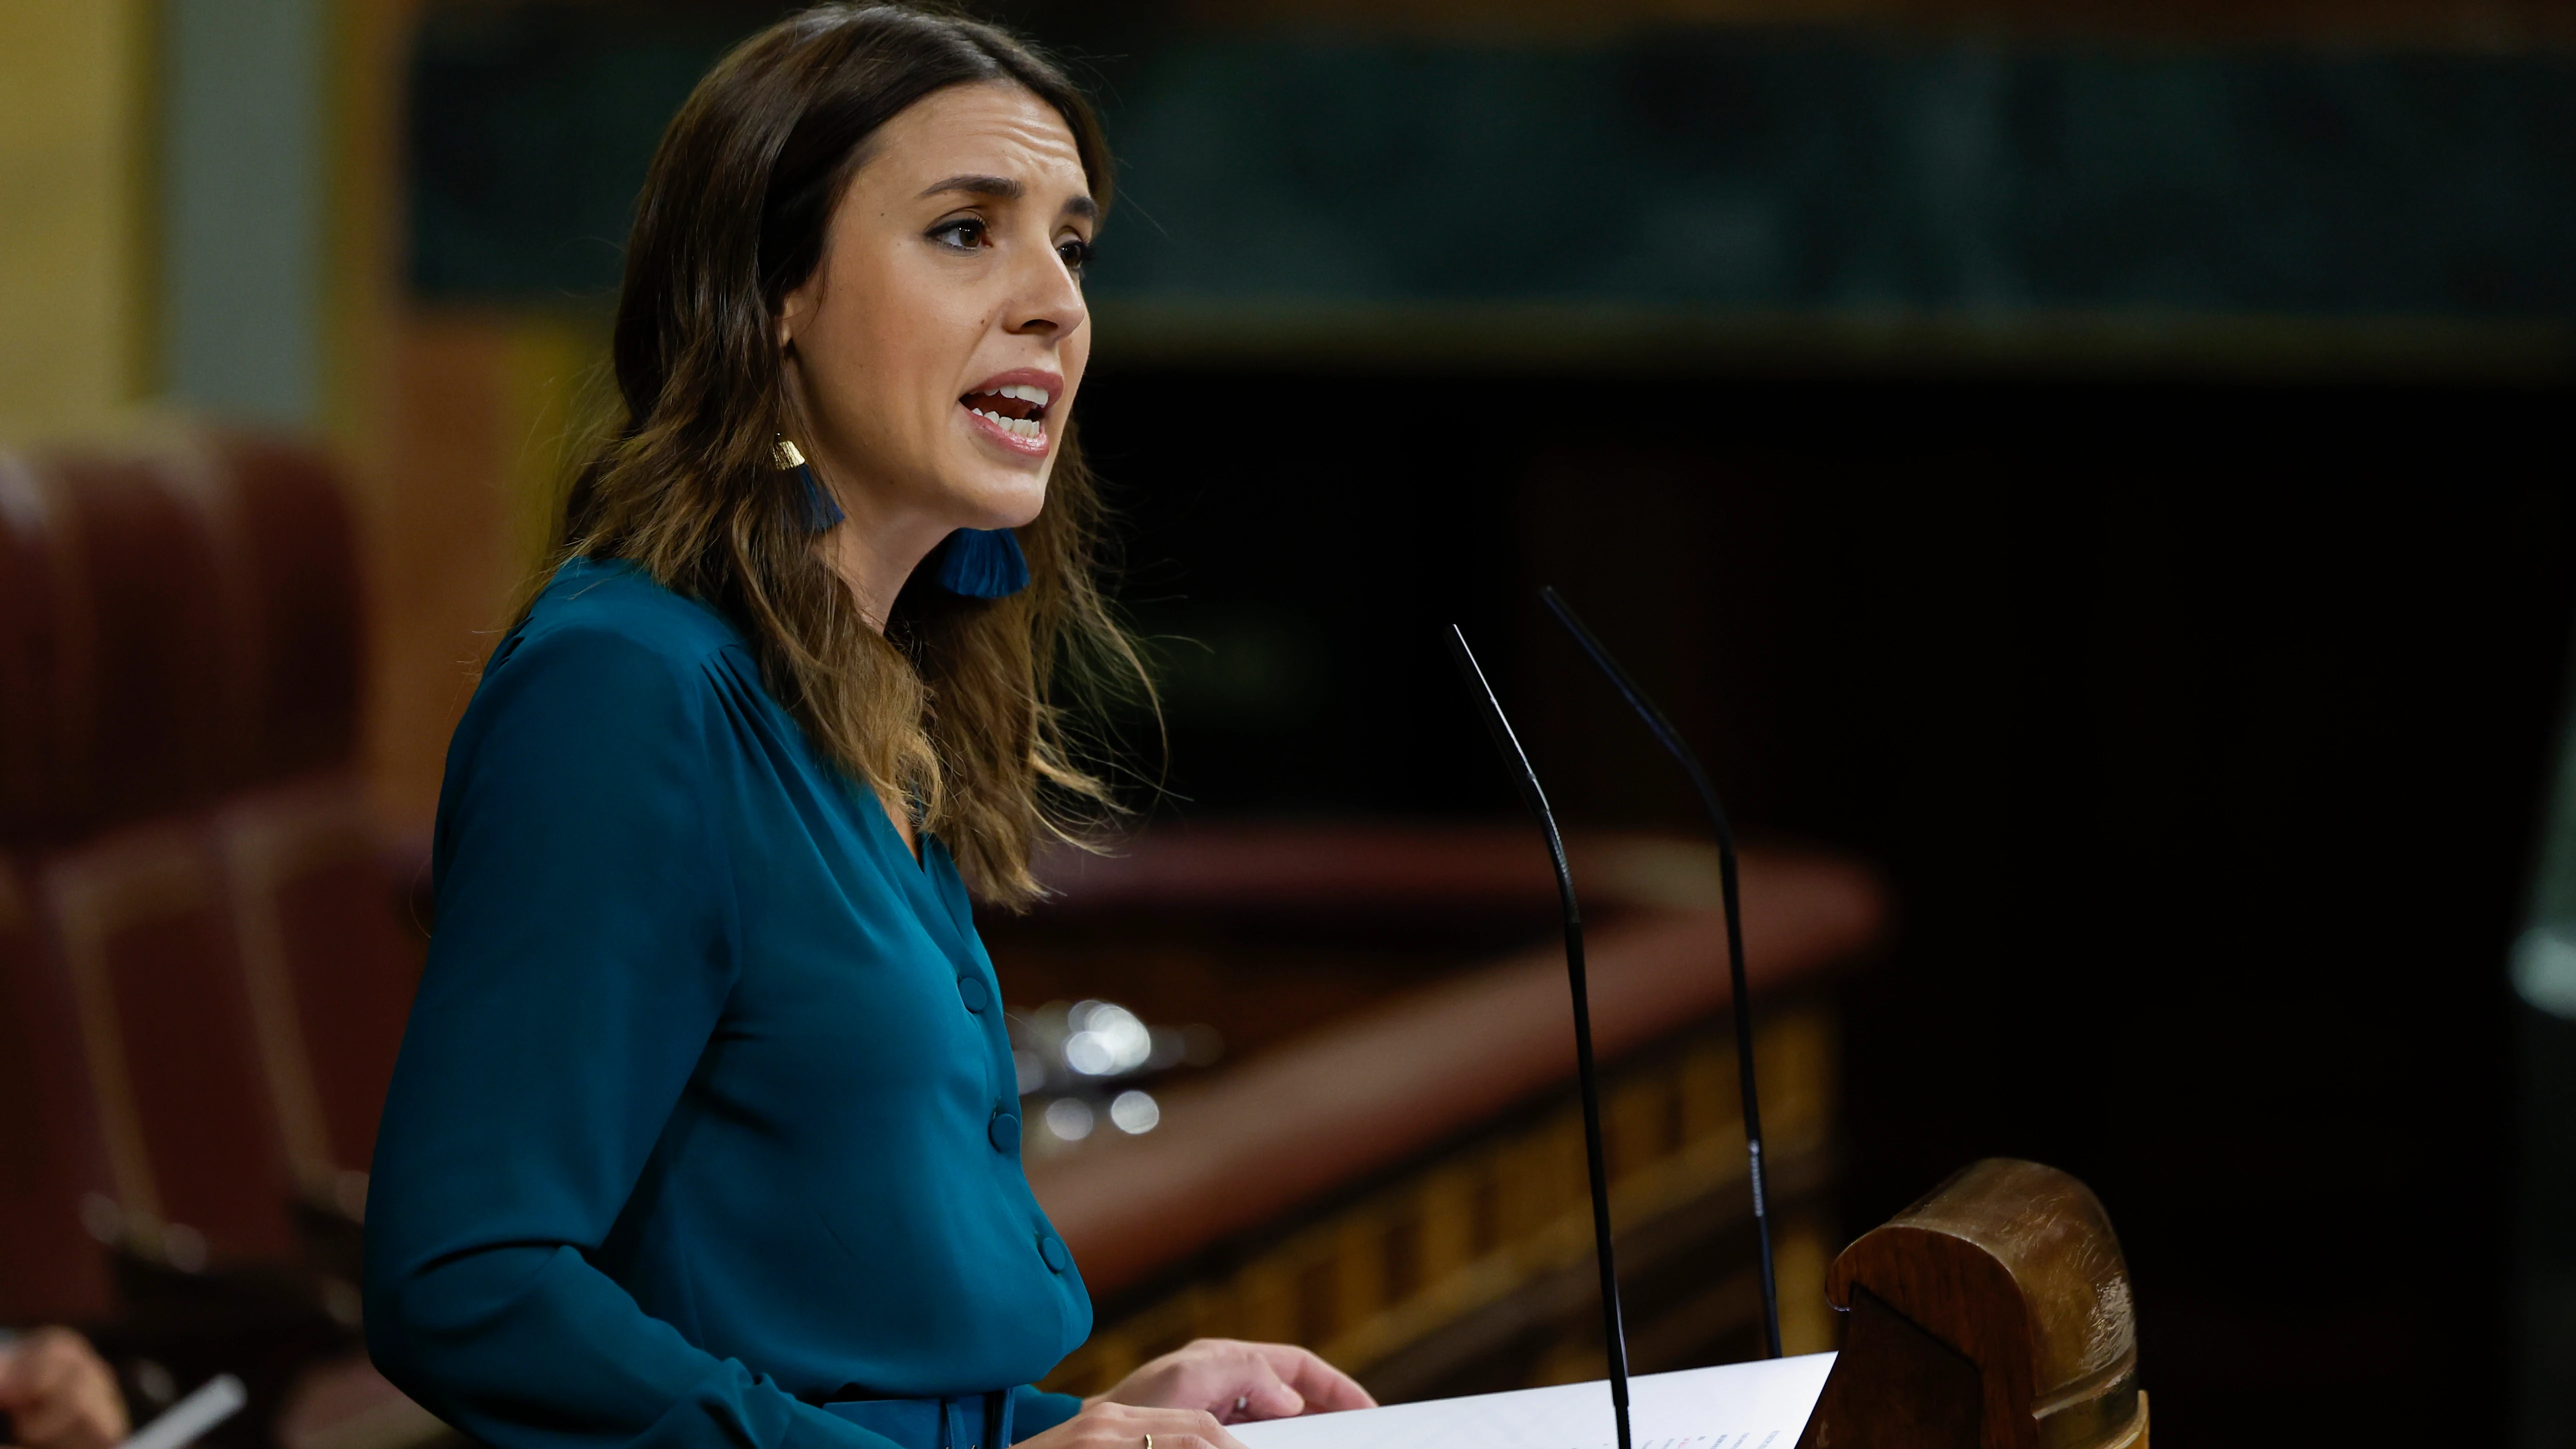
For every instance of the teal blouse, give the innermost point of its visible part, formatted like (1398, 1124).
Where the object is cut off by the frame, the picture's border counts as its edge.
(706, 1117)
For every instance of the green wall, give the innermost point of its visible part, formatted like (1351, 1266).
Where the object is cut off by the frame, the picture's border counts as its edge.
(1691, 173)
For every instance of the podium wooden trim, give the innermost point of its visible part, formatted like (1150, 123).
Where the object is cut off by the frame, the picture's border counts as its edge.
(1995, 1313)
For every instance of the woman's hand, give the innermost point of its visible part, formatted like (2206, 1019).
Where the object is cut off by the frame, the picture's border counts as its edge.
(1185, 1398)
(60, 1394)
(1240, 1382)
(1104, 1424)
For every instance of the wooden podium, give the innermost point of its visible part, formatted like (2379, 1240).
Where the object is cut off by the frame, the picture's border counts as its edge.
(1993, 1314)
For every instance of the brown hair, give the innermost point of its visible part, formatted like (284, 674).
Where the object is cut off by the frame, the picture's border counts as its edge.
(953, 708)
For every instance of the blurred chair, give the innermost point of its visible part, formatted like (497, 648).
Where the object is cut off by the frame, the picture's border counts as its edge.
(330, 967)
(151, 702)
(198, 935)
(294, 553)
(193, 1139)
(328, 957)
(51, 1157)
(158, 662)
(50, 1267)
(40, 736)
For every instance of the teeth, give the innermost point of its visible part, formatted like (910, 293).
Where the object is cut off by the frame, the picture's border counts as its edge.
(1025, 392)
(1024, 427)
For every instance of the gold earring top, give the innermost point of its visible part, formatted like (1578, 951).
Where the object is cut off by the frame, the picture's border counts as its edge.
(786, 455)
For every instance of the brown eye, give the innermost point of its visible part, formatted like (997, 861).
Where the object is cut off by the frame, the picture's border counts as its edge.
(1076, 254)
(964, 234)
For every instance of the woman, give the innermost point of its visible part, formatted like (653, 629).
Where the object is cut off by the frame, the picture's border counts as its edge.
(705, 1130)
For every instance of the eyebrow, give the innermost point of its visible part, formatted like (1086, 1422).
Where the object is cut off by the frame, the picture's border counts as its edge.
(1006, 189)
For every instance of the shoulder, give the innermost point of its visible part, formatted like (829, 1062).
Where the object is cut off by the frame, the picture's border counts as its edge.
(616, 607)
(604, 652)
(592, 748)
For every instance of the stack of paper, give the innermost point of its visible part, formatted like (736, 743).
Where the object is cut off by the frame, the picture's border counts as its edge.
(1759, 1405)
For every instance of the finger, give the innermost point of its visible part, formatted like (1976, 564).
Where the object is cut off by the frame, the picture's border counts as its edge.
(1216, 1374)
(1187, 1429)
(1263, 1394)
(48, 1421)
(1325, 1389)
(1199, 1375)
(103, 1407)
(44, 1377)
(65, 1397)
(1250, 1386)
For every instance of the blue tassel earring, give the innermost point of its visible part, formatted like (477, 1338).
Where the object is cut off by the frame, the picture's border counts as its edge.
(981, 563)
(984, 563)
(821, 512)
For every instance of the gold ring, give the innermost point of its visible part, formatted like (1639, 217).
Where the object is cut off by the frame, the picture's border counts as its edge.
(1149, 1441)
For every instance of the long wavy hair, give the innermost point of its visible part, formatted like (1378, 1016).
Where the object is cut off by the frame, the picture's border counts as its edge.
(955, 711)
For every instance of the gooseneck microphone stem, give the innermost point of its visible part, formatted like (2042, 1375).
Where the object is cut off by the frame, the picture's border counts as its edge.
(1614, 1331)
(1671, 740)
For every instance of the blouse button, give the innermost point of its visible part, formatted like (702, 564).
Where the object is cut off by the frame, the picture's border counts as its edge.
(1051, 1248)
(972, 991)
(1005, 1132)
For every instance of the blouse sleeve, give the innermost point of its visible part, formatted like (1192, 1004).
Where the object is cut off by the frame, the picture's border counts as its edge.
(582, 957)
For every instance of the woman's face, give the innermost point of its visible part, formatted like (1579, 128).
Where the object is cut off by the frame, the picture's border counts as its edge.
(937, 346)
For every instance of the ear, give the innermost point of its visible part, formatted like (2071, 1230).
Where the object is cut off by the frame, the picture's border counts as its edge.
(796, 308)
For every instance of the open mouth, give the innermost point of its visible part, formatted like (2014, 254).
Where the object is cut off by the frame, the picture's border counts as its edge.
(1019, 409)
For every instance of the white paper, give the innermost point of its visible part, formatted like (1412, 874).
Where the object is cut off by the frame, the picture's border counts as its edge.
(1758, 1405)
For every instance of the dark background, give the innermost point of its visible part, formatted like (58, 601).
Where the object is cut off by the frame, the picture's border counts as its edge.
(2200, 732)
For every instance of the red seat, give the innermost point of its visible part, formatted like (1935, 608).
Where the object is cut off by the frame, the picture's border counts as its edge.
(243, 970)
(40, 736)
(293, 550)
(146, 942)
(203, 968)
(321, 937)
(51, 1269)
(151, 687)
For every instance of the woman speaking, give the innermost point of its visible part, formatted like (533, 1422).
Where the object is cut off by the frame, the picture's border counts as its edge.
(705, 1131)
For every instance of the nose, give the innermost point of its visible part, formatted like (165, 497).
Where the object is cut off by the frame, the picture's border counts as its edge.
(1045, 301)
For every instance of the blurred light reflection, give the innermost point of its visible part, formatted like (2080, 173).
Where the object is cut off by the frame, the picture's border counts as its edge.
(1135, 1112)
(1069, 1118)
(1076, 1062)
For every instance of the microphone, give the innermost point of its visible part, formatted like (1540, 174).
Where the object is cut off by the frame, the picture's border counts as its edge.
(1671, 739)
(1517, 764)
